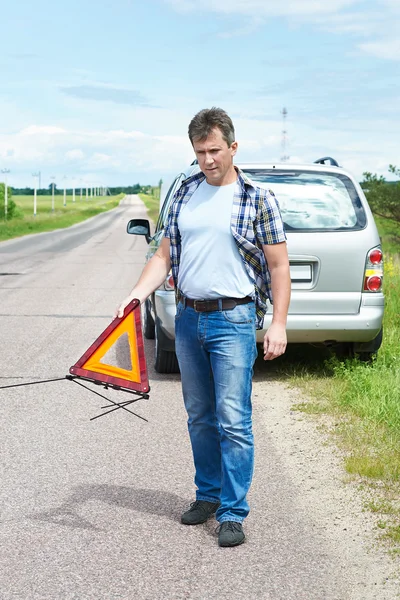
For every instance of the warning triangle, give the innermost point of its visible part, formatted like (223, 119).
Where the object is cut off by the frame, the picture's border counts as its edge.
(90, 365)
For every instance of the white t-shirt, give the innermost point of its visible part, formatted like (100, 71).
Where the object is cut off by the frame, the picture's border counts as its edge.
(210, 263)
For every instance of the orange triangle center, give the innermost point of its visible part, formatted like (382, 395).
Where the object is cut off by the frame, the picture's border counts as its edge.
(90, 365)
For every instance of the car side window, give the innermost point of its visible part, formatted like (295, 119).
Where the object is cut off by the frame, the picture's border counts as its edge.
(167, 202)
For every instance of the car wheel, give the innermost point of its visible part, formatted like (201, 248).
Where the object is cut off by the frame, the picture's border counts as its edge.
(365, 352)
(148, 323)
(166, 361)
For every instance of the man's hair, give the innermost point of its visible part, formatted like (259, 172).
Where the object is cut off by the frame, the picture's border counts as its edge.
(208, 119)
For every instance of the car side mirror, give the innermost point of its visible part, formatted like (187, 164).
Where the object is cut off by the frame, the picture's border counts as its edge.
(139, 227)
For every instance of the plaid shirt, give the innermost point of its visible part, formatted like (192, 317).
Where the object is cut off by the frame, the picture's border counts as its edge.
(255, 220)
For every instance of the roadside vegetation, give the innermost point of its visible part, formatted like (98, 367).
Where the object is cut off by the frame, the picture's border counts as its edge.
(364, 401)
(364, 398)
(21, 221)
(151, 199)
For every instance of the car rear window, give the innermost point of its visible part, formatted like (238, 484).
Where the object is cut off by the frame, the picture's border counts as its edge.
(313, 201)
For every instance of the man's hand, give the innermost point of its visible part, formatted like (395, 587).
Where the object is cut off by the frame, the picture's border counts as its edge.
(119, 311)
(274, 341)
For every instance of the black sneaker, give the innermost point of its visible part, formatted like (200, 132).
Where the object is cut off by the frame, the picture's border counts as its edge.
(199, 512)
(230, 533)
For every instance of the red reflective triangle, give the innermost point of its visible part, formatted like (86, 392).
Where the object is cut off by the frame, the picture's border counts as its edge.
(89, 366)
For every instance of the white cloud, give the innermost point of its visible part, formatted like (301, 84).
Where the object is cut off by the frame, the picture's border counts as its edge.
(122, 156)
(358, 18)
(99, 159)
(116, 154)
(386, 48)
(364, 24)
(121, 134)
(42, 129)
(258, 144)
(266, 8)
(74, 155)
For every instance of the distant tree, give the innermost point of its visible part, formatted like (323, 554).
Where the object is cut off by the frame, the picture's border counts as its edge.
(383, 196)
(130, 189)
(11, 206)
(22, 191)
(146, 189)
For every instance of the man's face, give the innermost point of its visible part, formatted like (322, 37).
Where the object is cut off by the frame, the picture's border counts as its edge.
(216, 158)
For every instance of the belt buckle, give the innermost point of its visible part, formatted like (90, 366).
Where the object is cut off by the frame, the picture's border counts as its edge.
(195, 305)
(201, 305)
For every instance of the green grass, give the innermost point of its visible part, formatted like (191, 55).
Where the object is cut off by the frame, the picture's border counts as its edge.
(152, 203)
(364, 399)
(47, 220)
(390, 235)
(369, 391)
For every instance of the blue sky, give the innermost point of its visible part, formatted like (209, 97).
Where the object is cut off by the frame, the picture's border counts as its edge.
(101, 93)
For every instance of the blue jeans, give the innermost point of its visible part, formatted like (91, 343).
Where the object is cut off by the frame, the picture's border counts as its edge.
(216, 353)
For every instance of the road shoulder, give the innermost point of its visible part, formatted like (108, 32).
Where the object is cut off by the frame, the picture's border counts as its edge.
(315, 466)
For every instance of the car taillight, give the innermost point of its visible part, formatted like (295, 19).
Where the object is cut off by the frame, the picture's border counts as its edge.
(373, 284)
(169, 282)
(373, 276)
(375, 256)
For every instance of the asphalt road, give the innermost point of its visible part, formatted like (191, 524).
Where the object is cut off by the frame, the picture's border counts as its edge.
(90, 509)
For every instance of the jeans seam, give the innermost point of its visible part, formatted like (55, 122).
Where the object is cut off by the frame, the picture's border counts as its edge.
(238, 322)
(208, 499)
(232, 519)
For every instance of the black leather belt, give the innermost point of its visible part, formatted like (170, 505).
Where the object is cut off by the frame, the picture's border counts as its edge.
(216, 304)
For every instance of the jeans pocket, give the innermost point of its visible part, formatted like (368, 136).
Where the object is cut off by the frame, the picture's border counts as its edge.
(241, 314)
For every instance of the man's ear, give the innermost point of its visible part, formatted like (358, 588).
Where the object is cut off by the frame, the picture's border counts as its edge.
(234, 148)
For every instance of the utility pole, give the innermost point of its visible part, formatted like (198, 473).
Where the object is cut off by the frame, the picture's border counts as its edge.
(65, 192)
(159, 189)
(284, 156)
(36, 178)
(5, 171)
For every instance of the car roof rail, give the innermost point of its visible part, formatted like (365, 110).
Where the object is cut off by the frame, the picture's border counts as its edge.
(322, 161)
(195, 162)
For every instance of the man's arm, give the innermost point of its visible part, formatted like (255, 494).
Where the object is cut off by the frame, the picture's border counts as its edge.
(153, 275)
(277, 259)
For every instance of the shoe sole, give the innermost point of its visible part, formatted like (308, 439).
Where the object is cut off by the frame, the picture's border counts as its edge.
(231, 545)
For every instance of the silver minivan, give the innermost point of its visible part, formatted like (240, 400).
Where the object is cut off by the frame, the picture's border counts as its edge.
(336, 261)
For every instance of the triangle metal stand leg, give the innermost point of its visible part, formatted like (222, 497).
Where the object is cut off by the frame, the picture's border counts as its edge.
(117, 405)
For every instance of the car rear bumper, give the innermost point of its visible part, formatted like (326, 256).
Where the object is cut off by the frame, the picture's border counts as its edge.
(361, 327)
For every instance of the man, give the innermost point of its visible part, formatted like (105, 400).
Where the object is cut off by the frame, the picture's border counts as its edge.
(226, 246)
